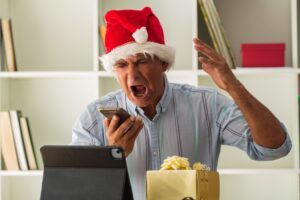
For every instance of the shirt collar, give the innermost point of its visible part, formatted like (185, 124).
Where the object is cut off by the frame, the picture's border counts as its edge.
(161, 105)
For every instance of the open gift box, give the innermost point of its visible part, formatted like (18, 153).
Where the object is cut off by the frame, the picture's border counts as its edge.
(183, 185)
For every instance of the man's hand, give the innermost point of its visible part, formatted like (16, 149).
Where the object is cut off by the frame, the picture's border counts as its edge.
(123, 136)
(215, 65)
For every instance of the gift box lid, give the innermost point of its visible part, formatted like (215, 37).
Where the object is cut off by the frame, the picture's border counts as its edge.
(262, 46)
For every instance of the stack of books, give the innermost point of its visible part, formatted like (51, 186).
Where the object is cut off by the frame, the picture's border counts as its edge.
(17, 147)
(7, 50)
(211, 30)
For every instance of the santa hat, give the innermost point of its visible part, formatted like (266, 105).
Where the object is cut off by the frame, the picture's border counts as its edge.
(129, 32)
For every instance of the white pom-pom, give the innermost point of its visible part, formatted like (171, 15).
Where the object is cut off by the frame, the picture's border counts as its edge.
(140, 35)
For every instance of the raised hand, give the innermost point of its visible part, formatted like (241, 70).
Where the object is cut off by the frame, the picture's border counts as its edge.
(215, 65)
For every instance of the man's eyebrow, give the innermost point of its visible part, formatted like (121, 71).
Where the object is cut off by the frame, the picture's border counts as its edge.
(121, 61)
(142, 56)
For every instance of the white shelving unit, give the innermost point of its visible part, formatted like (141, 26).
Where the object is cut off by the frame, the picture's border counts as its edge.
(57, 48)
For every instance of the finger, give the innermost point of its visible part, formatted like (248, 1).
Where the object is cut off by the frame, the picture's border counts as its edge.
(133, 137)
(113, 126)
(106, 123)
(207, 65)
(205, 49)
(135, 129)
(197, 41)
(125, 127)
(130, 138)
(207, 61)
(210, 53)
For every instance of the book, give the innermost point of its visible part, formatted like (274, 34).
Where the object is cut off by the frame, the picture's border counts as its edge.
(102, 31)
(29, 149)
(2, 52)
(8, 44)
(8, 147)
(214, 22)
(15, 116)
(226, 40)
(206, 34)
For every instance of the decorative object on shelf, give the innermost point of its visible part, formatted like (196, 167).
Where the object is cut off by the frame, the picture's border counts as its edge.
(216, 31)
(263, 54)
(7, 34)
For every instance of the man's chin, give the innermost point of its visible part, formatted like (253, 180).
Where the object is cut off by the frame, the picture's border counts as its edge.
(140, 102)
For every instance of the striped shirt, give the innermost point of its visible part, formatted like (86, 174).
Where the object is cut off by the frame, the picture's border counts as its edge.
(190, 121)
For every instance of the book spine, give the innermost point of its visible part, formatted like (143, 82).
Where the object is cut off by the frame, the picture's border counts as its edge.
(2, 52)
(28, 143)
(15, 115)
(8, 148)
(102, 30)
(208, 25)
(224, 35)
(8, 44)
(225, 52)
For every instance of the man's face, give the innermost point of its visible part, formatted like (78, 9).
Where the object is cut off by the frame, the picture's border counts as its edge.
(141, 78)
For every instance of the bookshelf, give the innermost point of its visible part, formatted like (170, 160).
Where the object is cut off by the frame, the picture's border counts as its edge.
(57, 46)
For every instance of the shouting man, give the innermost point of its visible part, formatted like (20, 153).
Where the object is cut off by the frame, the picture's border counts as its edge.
(172, 119)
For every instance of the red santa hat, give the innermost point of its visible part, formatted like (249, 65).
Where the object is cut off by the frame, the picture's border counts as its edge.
(129, 32)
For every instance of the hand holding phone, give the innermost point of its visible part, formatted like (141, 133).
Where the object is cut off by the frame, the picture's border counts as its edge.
(123, 131)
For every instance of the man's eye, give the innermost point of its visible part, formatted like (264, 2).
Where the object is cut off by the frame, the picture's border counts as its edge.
(120, 65)
(143, 61)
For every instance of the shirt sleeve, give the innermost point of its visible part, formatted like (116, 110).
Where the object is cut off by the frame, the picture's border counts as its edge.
(234, 131)
(86, 130)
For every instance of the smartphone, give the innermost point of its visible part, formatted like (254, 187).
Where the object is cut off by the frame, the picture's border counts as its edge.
(109, 112)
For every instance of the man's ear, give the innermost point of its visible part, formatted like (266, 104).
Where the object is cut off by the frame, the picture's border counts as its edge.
(164, 65)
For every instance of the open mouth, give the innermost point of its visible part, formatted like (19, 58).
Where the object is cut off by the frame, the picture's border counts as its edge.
(139, 91)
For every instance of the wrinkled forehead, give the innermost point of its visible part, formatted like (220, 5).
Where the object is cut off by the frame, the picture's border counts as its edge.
(136, 57)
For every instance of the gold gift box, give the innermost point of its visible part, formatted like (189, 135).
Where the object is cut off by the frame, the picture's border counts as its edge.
(183, 185)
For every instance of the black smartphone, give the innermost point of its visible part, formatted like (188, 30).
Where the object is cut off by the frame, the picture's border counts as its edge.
(109, 112)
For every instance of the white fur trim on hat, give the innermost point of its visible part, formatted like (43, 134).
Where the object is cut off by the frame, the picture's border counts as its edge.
(163, 52)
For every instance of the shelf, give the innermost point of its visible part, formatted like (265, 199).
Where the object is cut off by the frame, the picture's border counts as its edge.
(221, 172)
(63, 74)
(257, 71)
(21, 173)
(173, 72)
(262, 70)
(257, 171)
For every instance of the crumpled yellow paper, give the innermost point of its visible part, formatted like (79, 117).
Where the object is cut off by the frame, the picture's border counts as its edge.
(181, 163)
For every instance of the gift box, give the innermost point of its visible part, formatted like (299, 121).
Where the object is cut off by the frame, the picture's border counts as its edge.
(263, 55)
(183, 185)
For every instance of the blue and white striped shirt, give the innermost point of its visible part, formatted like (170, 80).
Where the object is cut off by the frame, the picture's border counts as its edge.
(190, 121)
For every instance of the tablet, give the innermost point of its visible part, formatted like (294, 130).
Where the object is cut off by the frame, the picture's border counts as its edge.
(84, 172)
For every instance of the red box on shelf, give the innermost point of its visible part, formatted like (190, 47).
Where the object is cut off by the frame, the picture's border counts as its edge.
(263, 55)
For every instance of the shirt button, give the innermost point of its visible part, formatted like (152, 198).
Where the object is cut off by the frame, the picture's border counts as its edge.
(154, 153)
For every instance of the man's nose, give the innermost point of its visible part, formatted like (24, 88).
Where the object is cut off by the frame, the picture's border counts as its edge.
(133, 71)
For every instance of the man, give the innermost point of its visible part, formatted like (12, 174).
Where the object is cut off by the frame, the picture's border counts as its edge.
(173, 119)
